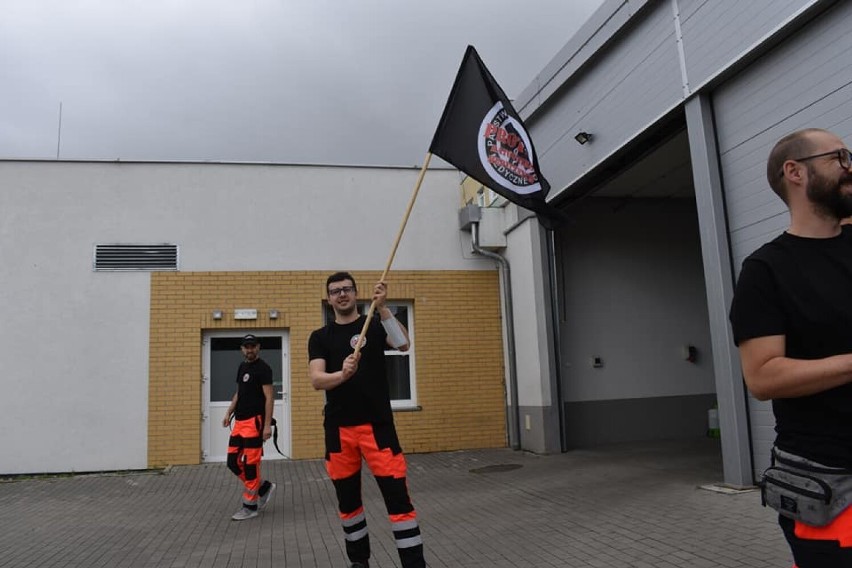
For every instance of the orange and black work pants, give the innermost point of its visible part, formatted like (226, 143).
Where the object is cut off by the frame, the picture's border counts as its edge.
(245, 449)
(377, 444)
(820, 547)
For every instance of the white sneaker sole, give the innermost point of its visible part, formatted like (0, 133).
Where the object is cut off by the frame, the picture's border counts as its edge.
(239, 516)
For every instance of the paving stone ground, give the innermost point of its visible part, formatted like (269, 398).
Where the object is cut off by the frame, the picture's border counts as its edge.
(631, 505)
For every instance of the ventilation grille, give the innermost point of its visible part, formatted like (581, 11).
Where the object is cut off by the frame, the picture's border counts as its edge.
(136, 257)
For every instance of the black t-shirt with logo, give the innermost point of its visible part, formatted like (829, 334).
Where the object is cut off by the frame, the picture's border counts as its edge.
(365, 397)
(801, 288)
(250, 380)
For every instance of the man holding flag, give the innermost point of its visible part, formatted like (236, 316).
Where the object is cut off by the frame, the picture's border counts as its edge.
(480, 134)
(358, 417)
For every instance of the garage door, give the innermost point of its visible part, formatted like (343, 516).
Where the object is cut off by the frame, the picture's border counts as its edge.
(806, 81)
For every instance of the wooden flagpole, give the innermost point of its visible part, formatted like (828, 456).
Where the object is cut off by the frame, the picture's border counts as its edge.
(395, 246)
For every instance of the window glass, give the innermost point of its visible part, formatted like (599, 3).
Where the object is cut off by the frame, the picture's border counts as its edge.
(225, 359)
(399, 376)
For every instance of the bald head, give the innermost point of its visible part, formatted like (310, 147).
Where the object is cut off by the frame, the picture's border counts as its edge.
(794, 145)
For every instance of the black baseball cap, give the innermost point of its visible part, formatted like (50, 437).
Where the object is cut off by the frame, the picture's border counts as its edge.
(250, 340)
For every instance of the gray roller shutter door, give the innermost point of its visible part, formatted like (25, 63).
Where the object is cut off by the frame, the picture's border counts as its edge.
(806, 81)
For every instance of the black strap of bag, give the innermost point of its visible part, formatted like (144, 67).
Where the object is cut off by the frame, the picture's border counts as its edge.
(275, 437)
(274, 432)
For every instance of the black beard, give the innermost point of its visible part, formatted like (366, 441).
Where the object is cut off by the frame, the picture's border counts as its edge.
(828, 196)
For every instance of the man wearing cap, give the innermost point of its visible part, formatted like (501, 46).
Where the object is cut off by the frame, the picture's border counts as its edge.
(251, 409)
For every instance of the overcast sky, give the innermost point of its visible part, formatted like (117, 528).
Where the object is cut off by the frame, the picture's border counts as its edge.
(294, 81)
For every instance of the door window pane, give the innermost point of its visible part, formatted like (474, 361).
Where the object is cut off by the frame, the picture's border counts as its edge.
(225, 359)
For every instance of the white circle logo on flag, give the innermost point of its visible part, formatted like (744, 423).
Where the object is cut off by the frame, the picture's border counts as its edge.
(506, 152)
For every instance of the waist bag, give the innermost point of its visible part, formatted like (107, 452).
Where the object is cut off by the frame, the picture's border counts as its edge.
(805, 490)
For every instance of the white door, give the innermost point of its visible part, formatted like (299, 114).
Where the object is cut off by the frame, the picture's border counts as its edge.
(221, 356)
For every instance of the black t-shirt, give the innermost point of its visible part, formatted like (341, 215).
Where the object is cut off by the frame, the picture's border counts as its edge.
(250, 380)
(365, 397)
(801, 288)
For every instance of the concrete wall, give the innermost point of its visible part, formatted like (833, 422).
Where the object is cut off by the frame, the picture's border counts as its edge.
(75, 342)
(632, 294)
(537, 416)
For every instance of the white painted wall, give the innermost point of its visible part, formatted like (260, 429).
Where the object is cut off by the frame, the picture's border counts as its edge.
(74, 343)
(529, 290)
(633, 294)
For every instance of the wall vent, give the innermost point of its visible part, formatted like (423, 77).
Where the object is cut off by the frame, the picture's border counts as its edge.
(136, 257)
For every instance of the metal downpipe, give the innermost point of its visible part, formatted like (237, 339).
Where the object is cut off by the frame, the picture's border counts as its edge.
(510, 334)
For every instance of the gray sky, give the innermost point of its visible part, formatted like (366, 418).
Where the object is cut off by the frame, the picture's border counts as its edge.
(296, 81)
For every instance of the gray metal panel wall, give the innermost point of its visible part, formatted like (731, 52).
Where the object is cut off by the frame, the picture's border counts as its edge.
(623, 71)
(717, 33)
(716, 256)
(605, 23)
(629, 86)
(807, 81)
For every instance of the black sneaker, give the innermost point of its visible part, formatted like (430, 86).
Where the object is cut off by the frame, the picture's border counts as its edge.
(364, 564)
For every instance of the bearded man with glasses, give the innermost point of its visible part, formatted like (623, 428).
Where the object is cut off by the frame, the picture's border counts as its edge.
(792, 321)
(358, 418)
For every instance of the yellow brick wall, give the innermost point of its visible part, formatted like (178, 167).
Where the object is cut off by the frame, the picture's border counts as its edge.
(458, 355)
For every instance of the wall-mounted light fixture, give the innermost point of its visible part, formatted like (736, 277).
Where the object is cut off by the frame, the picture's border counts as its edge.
(273, 314)
(217, 314)
(582, 137)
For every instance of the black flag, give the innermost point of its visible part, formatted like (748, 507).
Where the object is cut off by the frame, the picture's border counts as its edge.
(481, 134)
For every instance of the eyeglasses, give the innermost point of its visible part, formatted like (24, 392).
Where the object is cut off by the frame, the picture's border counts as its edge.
(843, 156)
(341, 290)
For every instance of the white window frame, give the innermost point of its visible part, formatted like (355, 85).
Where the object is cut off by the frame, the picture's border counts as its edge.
(408, 403)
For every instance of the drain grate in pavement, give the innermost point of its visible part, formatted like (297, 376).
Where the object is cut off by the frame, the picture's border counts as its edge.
(497, 468)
